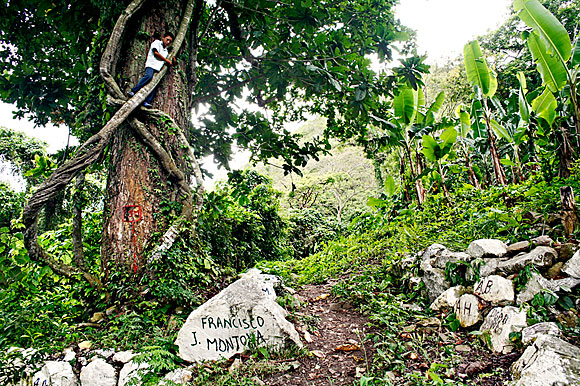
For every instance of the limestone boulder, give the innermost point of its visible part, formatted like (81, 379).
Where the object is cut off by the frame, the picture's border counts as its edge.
(124, 356)
(435, 283)
(538, 283)
(448, 298)
(487, 248)
(433, 276)
(499, 323)
(548, 361)
(566, 251)
(467, 310)
(179, 376)
(98, 373)
(432, 252)
(132, 371)
(540, 257)
(520, 246)
(572, 266)
(488, 267)
(496, 290)
(543, 240)
(447, 256)
(55, 373)
(242, 315)
(531, 333)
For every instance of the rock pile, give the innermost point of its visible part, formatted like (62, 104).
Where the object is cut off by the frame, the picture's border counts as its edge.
(552, 269)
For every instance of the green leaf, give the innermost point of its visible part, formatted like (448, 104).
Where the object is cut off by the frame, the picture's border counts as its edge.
(465, 120)
(507, 162)
(523, 103)
(405, 105)
(545, 106)
(436, 105)
(551, 69)
(376, 202)
(476, 68)
(575, 55)
(390, 186)
(500, 131)
(551, 31)
(448, 136)
(430, 147)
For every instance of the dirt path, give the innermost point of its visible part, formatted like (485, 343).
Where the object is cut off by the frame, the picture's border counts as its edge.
(334, 332)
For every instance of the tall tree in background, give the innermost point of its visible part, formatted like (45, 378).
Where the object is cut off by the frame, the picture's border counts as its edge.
(70, 63)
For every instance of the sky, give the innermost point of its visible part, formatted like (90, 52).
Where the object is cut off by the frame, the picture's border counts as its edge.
(443, 27)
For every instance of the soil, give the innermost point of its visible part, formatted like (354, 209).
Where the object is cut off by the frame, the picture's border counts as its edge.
(334, 332)
(337, 333)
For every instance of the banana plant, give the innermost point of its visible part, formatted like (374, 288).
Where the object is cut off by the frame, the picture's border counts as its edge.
(405, 108)
(414, 118)
(466, 127)
(485, 84)
(558, 65)
(436, 150)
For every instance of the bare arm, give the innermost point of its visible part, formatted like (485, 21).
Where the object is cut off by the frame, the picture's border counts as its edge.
(162, 58)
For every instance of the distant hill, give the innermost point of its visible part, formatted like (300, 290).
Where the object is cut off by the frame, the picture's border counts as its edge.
(337, 185)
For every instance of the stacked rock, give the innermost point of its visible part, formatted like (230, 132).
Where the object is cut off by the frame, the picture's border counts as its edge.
(547, 359)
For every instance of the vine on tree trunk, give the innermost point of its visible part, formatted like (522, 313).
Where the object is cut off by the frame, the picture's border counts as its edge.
(92, 149)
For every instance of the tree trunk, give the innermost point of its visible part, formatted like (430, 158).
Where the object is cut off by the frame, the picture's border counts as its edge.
(136, 177)
(565, 154)
(77, 223)
(569, 217)
(498, 169)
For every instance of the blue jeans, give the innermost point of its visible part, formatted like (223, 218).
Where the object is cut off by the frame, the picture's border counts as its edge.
(149, 72)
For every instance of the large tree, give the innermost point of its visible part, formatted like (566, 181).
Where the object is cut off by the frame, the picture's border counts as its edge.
(245, 66)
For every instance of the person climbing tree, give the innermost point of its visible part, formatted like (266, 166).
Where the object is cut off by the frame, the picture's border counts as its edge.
(156, 58)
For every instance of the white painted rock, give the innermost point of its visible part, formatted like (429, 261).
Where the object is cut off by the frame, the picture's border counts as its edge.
(549, 361)
(132, 370)
(572, 266)
(487, 248)
(448, 299)
(124, 356)
(55, 373)
(495, 289)
(243, 314)
(540, 257)
(98, 373)
(530, 334)
(467, 310)
(500, 322)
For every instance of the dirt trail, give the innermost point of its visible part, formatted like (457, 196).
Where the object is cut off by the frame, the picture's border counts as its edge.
(334, 332)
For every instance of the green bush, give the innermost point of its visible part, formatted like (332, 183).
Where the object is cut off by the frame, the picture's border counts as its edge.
(308, 230)
(240, 224)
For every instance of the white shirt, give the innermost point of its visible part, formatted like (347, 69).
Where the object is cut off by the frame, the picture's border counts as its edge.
(152, 61)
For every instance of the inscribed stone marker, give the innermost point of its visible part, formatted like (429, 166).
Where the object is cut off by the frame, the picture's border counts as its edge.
(467, 310)
(500, 322)
(495, 289)
(243, 315)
